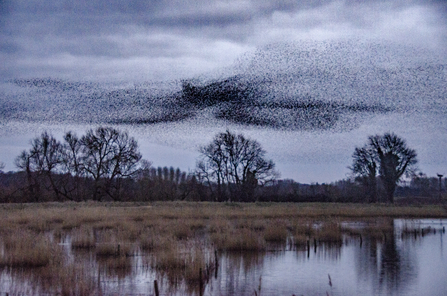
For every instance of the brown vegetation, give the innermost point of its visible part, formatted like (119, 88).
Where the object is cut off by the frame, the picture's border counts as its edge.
(176, 239)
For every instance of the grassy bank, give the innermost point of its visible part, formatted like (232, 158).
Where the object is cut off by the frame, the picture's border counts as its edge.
(89, 212)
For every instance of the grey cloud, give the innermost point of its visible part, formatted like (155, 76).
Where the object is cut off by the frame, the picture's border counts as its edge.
(99, 29)
(201, 20)
(84, 6)
(100, 16)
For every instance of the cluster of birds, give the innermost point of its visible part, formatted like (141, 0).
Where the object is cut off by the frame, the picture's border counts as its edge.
(308, 86)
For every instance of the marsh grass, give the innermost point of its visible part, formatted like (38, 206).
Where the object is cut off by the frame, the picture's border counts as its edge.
(128, 231)
(188, 263)
(72, 279)
(303, 227)
(178, 237)
(301, 231)
(25, 249)
(258, 224)
(170, 260)
(300, 240)
(276, 231)
(244, 239)
(149, 243)
(329, 232)
(180, 230)
(219, 225)
(83, 238)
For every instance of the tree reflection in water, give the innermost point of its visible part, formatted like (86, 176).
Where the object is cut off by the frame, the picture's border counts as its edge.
(384, 262)
(239, 272)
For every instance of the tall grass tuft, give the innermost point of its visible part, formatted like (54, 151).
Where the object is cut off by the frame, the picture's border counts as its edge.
(276, 232)
(25, 249)
(329, 233)
(299, 240)
(83, 239)
(243, 239)
(181, 230)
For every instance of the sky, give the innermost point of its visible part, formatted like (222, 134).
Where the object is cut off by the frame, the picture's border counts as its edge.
(130, 42)
(161, 40)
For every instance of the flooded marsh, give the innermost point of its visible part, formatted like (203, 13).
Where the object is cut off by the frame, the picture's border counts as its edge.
(222, 249)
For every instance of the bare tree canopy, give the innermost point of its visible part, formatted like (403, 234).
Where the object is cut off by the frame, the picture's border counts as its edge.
(386, 155)
(108, 154)
(41, 161)
(44, 155)
(365, 166)
(105, 155)
(236, 164)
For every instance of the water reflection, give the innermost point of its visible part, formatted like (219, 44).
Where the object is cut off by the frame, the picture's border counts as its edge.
(387, 261)
(388, 264)
(401, 257)
(239, 274)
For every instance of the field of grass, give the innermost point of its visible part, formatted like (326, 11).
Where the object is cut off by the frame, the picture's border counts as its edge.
(177, 238)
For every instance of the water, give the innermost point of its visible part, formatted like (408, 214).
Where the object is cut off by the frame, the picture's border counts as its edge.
(411, 259)
(401, 265)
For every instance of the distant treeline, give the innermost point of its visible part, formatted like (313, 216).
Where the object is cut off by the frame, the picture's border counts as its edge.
(106, 165)
(148, 184)
(170, 184)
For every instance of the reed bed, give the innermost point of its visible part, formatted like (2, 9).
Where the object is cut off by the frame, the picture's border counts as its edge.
(329, 232)
(179, 238)
(189, 263)
(83, 238)
(299, 240)
(276, 231)
(150, 241)
(91, 212)
(243, 239)
(26, 249)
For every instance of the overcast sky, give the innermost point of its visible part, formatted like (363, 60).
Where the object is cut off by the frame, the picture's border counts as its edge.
(159, 40)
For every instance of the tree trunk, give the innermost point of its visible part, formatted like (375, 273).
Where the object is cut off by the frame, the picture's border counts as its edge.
(390, 187)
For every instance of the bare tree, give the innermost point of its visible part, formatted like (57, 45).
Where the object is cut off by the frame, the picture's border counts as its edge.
(23, 162)
(387, 155)
(236, 163)
(72, 167)
(42, 161)
(72, 154)
(365, 167)
(108, 155)
(211, 166)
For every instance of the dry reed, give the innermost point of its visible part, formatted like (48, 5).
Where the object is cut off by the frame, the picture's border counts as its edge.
(276, 232)
(25, 249)
(329, 233)
(244, 239)
(83, 239)
(178, 235)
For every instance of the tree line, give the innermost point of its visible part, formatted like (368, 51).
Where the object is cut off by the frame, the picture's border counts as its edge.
(105, 165)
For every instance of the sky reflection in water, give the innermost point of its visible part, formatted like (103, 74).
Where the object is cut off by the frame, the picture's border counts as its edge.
(395, 263)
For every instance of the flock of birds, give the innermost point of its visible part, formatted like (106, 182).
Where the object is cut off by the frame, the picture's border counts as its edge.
(307, 86)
